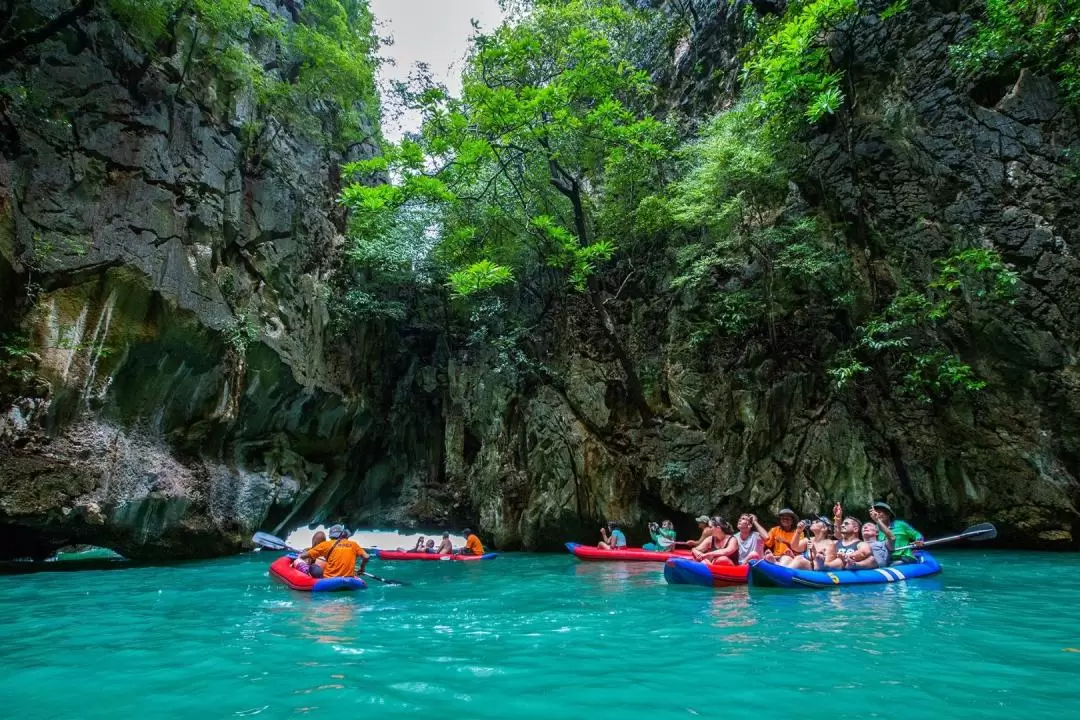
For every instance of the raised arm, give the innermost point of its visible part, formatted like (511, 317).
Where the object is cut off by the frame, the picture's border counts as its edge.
(760, 530)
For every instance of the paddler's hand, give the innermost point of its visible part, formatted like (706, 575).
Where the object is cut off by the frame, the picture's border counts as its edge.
(919, 544)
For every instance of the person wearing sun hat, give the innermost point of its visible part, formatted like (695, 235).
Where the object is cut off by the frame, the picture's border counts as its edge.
(902, 533)
(706, 531)
(785, 541)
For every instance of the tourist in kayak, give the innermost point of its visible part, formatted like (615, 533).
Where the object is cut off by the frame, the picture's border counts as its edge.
(429, 548)
(615, 541)
(720, 548)
(340, 552)
(446, 547)
(751, 546)
(419, 546)
(783, 541)
(473, 546)
(850, 547)
(902, 533)
(663, 537)
(705, 527)
(820, 549)
(314, 569)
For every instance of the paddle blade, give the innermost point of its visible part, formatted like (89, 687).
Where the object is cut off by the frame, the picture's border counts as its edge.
(388, 581)
(980, 532)
(267, 540)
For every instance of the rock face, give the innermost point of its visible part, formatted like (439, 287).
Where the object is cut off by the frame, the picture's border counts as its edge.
(930, 159)
(171, 380)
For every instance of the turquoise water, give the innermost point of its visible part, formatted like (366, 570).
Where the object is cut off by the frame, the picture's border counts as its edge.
(540, 636)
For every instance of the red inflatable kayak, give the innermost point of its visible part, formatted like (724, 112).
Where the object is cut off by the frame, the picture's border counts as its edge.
(282, 570)
(588, 552)
(400, 555)
(684, 571)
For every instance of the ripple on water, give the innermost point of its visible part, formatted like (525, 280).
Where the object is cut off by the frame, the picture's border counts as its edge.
(540, 637)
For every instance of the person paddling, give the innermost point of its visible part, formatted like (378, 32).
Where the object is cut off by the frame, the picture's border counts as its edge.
(473, 546)
(446, 547)
(902, 533)
(340, 552)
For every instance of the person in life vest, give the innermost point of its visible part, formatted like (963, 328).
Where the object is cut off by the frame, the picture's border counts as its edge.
(340, 552)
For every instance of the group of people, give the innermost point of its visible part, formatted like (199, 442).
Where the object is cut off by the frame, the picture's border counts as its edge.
(331, 558)
(473, 546)
(844, 543)
(338, 555)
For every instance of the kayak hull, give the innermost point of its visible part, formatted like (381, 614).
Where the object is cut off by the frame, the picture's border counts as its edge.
(770, 575)
(683, 571)
(590, 553)
(399, 555)
(283, 571)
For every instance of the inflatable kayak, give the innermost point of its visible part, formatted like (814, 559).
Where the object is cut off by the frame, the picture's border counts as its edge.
(683, 571)
(402, 555)
(589, 552)
(282, 569)
(763, 574)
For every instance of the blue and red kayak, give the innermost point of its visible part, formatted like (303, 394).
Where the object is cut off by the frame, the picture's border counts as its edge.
(771, 575)
(591, 552)
(283, 571)
(684, 571)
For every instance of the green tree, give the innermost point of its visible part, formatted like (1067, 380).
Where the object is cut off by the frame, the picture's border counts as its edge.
(728, 197)
(1039, 34)
(547, 135)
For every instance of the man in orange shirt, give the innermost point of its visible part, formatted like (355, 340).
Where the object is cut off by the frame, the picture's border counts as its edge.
(473, 546)
(340, 553)
(784, 541)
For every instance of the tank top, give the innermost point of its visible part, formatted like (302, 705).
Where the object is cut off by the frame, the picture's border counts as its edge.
(752, 544)
(848, 549)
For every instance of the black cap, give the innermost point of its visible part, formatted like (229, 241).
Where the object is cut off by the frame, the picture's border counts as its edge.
(466, 531)
(879, 505)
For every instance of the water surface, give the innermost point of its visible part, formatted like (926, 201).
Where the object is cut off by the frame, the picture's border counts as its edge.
(541, 636)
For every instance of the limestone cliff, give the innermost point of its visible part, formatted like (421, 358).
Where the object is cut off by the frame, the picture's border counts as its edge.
(924, 157)
(170, 377)
(172, 380)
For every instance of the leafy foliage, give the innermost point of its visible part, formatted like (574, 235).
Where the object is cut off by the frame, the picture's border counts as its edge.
(729, 197)
(321, 80)
(1039, 34)
(791, 63)
(520, 166)
(241, 332)
(907, 332)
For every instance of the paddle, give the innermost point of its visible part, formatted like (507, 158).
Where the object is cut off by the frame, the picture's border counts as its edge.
(975, 533)
(271, 542)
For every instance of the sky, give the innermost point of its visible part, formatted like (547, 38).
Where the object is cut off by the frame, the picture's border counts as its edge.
(432, 31)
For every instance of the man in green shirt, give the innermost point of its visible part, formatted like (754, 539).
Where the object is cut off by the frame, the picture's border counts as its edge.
(902, 533)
